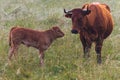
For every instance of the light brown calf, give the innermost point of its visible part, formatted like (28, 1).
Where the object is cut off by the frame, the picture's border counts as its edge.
(40, 40)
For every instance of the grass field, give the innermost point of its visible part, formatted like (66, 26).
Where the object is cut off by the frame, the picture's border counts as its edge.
(63, 60)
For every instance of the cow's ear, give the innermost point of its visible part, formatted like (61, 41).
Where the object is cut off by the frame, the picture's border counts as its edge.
(86, 12)
(68, 15)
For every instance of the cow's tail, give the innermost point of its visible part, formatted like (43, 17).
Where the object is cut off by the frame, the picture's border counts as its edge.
(10, 35)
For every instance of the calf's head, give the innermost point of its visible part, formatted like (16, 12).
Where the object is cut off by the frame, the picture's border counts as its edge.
(78, 18)
(58, 32)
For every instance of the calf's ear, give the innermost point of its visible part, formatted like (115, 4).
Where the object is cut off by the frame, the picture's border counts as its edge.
(55, 28)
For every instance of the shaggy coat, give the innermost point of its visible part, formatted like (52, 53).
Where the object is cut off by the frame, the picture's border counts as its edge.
(40, 40)
(94, 24)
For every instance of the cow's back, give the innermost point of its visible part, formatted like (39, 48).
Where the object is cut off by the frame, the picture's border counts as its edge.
(100, 19)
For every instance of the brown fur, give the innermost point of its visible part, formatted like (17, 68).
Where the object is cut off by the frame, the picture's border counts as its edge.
(94, 24)
(40, 40)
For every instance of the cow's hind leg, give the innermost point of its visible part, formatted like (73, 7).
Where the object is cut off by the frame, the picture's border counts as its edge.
(98, 48)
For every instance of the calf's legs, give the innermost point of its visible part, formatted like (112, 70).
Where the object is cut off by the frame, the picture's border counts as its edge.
(41, 55)
(12, 51)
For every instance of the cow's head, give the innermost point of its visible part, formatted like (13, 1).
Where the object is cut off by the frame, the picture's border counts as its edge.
(77, 16)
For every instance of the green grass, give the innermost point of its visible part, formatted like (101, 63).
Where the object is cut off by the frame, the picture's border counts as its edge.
(64, 59)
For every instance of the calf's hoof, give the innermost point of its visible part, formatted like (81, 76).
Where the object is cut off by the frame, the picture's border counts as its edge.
(41, 64)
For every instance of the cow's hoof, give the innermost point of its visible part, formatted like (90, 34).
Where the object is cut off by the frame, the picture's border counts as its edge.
(86, 56)
(99, 61)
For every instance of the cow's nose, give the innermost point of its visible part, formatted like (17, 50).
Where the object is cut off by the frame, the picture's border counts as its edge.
(74, 31)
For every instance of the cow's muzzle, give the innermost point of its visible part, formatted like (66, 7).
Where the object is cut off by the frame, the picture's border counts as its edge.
(74, 31)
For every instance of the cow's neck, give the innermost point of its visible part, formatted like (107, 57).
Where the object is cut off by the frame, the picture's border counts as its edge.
(85, 24)
(87, 28)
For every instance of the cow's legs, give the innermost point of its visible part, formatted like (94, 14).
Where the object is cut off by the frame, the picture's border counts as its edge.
(41, 55)
(87, 52)
(86, 47)
(98, 48)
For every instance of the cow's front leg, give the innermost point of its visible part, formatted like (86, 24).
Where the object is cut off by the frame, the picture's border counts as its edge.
(86, 46)
(87, 49)
(87, 52)
(41, 55)
(98, 48)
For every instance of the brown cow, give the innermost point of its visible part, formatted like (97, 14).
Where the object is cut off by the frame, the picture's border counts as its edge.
(94, 24)
(40, 40)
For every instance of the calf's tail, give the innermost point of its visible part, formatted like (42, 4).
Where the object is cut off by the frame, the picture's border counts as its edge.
(10, 35)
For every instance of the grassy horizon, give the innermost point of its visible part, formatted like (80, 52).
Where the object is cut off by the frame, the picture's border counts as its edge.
(64, 59)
